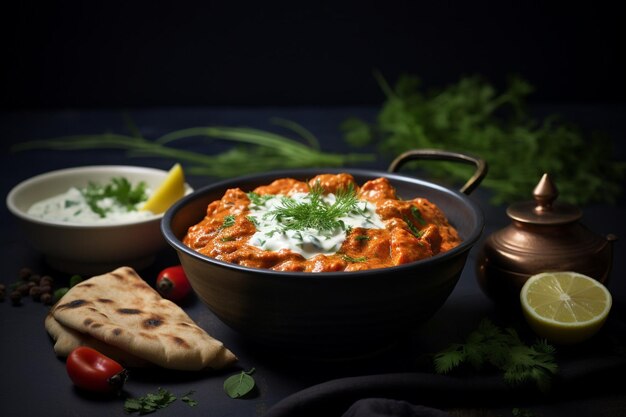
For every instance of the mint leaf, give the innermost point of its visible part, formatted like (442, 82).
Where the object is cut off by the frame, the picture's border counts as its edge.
(236, 386)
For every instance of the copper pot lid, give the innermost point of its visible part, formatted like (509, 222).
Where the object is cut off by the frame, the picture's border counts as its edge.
(544, 209)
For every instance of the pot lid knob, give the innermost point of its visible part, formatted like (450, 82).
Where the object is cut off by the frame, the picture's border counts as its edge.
(544, 209)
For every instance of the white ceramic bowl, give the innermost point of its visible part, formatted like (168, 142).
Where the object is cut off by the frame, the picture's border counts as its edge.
(88, 248)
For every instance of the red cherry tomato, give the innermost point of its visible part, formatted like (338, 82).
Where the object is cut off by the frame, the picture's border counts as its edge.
(92, 371)
(172, 283)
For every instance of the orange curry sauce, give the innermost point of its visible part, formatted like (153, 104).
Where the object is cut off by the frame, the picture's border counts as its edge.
(407, 237)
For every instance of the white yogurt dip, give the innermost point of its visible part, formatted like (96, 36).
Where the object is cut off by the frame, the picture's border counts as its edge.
(72, 207)
(271, 235)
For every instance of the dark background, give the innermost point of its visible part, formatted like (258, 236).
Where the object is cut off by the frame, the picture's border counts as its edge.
(108, 54)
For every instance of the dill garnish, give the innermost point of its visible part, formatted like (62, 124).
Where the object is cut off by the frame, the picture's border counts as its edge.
(315, 213)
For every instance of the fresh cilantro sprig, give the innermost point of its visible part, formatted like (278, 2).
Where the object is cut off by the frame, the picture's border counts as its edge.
(471, 116)
(152, 402)
(119, 189)
(503, 349)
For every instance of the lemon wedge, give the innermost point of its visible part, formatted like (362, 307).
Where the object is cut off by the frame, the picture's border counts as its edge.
(565, 307)
(170, 190)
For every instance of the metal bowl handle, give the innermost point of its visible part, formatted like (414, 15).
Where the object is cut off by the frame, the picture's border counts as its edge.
(439, 155)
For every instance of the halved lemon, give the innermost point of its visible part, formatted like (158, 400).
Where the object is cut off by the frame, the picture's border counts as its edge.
(170, 190)
(565, 307)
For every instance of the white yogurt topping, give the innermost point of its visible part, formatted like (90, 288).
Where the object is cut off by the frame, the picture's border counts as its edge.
(71, 207)
(272, 235)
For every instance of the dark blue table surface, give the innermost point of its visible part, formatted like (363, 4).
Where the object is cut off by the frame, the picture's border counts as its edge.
(34, 381)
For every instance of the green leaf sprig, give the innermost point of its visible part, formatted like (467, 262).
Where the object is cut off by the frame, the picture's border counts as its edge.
(315, 213)
(119, 189)
(471, 116)
(238, 385)
(254, 150)
(503, 349)
(152, 402)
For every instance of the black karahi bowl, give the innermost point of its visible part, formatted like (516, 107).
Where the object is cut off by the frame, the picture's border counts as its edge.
(329, 314)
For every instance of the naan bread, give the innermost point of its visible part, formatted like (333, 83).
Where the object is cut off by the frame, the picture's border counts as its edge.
(67, 339)
(121, 310)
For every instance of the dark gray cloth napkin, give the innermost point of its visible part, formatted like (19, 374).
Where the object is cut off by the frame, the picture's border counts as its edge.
(585, 372)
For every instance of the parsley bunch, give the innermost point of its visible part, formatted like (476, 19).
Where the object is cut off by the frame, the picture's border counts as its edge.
(503, 349)
(472, 117)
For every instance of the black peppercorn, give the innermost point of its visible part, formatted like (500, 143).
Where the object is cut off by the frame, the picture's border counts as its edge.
(16, 298)
(46, 298)
(23, 289)
(46, 280)
(24, 273)
(35, 293)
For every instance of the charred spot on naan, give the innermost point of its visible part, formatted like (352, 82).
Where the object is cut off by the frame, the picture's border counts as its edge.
(123, 273)
(180, 342)
(91, 323)
(117, 331)
(105, 300)
(129, 311)
(74, 304)
(152, 322)
(147, 335)
(190, 327)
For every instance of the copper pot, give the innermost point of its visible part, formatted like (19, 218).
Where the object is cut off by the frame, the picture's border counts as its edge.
(545, 235)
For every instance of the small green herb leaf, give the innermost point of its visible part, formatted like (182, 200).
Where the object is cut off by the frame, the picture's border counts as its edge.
(354, 260)
(414, 230)
(75, 279)
(417, 214)
(186, 398)
(238, 385)
(257, 199)
(150, 402)
(228, 221)
(59, 293)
